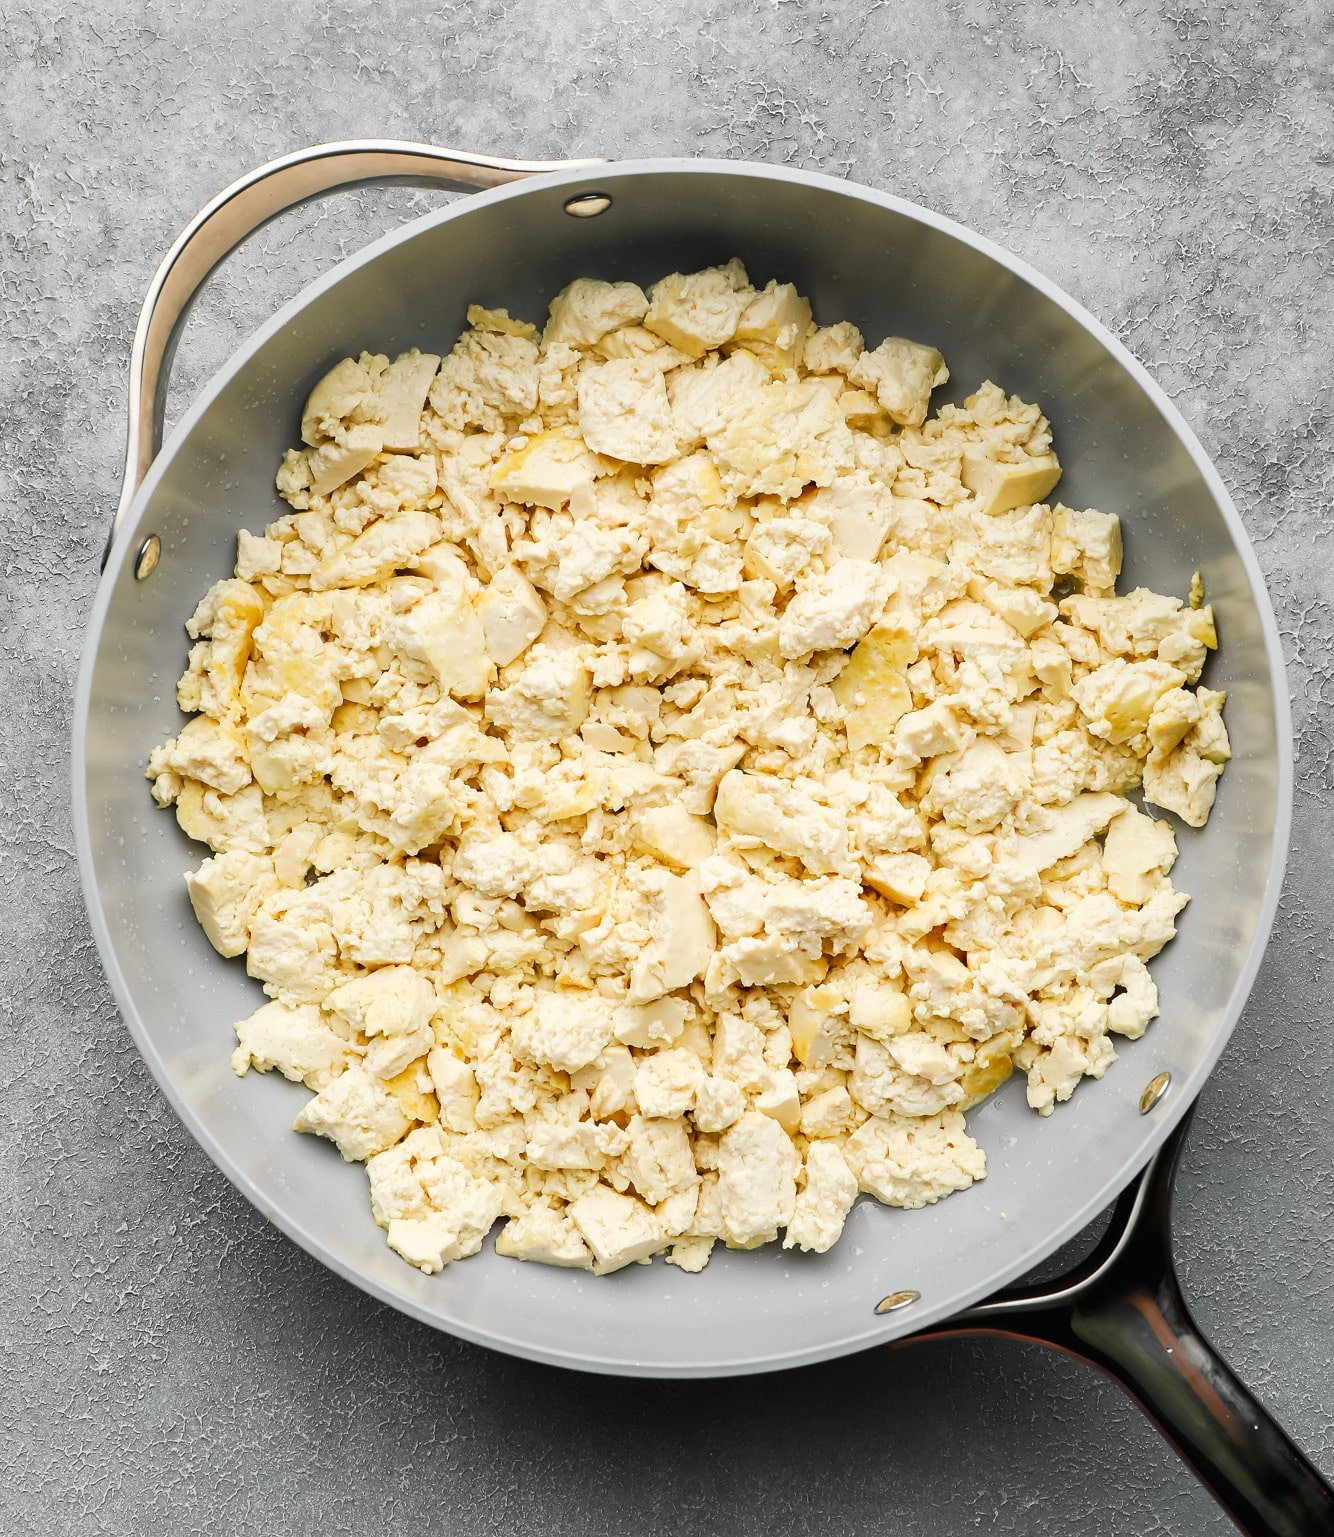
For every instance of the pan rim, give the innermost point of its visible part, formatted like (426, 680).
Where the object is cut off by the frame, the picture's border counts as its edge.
(951, 1300)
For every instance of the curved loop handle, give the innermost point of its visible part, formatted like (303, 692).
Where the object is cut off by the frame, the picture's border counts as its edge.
(1122, 1310)
(242, 208)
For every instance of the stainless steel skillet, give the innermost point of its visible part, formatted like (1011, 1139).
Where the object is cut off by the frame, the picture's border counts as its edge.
(893, 268)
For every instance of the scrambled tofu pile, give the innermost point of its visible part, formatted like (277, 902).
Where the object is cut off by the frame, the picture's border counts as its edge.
(662, 775)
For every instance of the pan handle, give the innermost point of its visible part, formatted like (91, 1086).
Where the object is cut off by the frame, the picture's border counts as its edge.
(242, 208)
(1122, 1310)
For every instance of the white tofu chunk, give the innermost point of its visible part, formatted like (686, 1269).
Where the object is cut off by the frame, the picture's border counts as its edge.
(547, 1236)
(624, 412)
(619, 1229)
(824, 1201)
(682, 939)
(914, 1161)
(295, 1039)
(566, 1028)
(584, 311)
(512, 615)
(401, 396)
(757, 1180)
(226, 893)
(901, 375)
(550, 469)
(1002, 485)
(357, 1114)
(698, 311)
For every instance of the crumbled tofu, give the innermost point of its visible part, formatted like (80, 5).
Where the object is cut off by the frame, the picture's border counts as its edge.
(1183, 777)
(624, 412)
(357, 1113)
(699, 311)
(914, 1161)
(512, 615)
(547, 1235)
(790, 435)
(564, 1028)
(226, 893)
(663, 775)
(293, 1038)
(676, 837)
(667, 1081)
(582, 313)
(619, 1229)
(824, 1201)
(401, 395)
(434, 1208)
(393, 1006)
(901, 375)
(549, 469)
(680, 937)
(1137, 853)
(873, 688)
(1003, 485)
(833, 349)
(834, 610)
(647, 1025)
(456, 1091)
(775, 324)
(757, 1180)
(785, 817)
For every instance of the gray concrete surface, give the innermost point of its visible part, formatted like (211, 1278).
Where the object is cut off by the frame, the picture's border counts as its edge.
(167, 1361)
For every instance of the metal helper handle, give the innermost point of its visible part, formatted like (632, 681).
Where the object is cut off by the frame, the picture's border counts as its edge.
(1121, 1309)
(242, 208)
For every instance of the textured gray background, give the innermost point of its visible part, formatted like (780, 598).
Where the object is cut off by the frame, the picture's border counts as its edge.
(166, 1359)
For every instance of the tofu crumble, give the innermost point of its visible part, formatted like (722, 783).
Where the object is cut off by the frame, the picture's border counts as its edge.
(663, 775)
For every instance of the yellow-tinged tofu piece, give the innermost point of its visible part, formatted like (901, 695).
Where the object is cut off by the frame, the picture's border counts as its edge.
(813, 1026)
(1137, 853)
(781, 1102)
(445, 632)
(901, 374)
(872, 688)
(387, 546)
(697, 311)
(862, 410)
(1001, 487)
(415, 1099)
(345, 395)
(992, 1065)
(682, 937)
(551, 469)
(674, 835)
(900, 877)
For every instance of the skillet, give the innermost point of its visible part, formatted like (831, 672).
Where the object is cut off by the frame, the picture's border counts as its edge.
(893, 268)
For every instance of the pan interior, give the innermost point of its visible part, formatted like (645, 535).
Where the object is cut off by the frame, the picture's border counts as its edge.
(892, 270)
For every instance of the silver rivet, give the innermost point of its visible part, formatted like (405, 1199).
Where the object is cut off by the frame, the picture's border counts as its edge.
(895, 1301)
(587, 205)
(1153, 1092)
(145, 562)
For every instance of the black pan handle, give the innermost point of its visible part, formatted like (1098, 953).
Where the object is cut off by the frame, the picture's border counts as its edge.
(1122, 1310)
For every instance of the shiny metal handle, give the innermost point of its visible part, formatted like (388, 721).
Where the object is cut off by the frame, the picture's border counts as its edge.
(1122, 1310)
(242, 208)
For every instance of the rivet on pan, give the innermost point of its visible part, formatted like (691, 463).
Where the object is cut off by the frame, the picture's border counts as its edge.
(145, 562)
(587, 205)
(1153, 1092)
(895, 1301)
